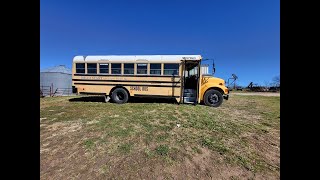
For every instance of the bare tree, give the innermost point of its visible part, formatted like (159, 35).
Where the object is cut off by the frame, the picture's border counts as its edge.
(276, 80)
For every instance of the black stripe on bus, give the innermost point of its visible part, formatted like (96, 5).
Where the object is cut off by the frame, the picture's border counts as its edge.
(92, 93)
(107, 80)
(149, 85)
(126, 75)
(155, 96)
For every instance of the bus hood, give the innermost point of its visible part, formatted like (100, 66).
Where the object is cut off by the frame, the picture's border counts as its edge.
(213, 80)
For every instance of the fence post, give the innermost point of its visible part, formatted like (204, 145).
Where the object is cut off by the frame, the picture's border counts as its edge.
(51, 93)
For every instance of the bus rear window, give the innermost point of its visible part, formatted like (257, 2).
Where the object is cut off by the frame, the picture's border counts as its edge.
(171, 69)
(80, 68)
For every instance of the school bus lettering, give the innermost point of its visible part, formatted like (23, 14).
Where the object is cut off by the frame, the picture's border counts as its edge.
(139, 88)
(91, 78)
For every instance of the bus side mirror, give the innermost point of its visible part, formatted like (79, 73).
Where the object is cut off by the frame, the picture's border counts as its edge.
(213, 67)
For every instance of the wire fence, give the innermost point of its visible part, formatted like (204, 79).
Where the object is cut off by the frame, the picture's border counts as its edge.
(50, 91)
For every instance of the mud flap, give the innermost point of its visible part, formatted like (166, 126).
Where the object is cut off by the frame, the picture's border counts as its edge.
(106, 98)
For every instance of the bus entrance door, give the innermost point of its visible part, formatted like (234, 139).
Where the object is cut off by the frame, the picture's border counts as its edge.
(191, 82)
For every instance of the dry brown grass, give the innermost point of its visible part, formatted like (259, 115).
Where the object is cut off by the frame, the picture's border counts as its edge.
(96, 140)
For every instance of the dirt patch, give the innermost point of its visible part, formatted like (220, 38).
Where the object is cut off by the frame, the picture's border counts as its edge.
(61, 128)
(60, 113)
(92, 122)
(207, 165)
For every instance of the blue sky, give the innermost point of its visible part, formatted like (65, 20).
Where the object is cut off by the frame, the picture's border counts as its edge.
(242, 36)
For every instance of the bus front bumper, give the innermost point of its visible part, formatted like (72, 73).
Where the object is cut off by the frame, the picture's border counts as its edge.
(226, 96)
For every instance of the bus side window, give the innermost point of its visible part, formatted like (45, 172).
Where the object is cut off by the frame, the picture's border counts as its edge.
(128, 68)
(171, 69)
(155, 68)
(80, 68)
(104, 68)
(115, 68)
(92, 68)
(142, 68)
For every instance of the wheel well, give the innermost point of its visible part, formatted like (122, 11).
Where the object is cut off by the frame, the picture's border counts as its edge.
(215, 88)
(118, 87)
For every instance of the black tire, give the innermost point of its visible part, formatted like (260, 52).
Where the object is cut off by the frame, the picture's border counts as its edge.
(119, 96)
(213, 98)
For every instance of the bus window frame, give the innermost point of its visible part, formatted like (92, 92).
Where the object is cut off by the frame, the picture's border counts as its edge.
(84, 68)
(116, 68)
(155, 69)
(142, 69)
(178, 69)
(128, 68)
(104, 68)
(96, 68)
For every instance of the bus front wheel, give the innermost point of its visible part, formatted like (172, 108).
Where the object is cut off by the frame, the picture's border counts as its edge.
(119, 96)
(213, 98)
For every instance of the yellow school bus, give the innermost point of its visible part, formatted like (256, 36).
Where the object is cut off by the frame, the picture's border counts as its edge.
(170, 76)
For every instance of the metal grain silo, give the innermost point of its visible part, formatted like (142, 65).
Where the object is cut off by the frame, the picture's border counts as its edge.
(57, 78)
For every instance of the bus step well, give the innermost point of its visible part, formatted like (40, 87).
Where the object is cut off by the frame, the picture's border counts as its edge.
(189, 96)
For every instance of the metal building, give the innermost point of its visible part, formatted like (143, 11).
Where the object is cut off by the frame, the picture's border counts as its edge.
(56, 81)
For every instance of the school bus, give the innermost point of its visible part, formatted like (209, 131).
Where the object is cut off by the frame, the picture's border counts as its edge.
(170, 76)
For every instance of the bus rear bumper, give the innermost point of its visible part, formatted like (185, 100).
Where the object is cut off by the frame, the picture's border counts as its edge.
(74, 89)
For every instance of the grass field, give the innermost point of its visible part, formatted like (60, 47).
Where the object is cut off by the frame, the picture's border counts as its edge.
(85, 138)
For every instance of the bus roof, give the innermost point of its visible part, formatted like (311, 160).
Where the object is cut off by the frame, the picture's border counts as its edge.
(137, 58)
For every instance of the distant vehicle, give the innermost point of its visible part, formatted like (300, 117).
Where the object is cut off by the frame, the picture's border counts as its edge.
(238, 88)
(168, 76)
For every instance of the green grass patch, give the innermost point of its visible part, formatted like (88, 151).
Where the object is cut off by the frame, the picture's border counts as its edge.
(162, 150)
(214, 144)
(89, 143)
(125, 148)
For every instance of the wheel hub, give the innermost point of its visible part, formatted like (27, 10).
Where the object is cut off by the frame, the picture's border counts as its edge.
(120, 96)
(213, 98)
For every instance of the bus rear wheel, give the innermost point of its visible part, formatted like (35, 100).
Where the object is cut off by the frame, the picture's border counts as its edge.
(119, 96)
(213, 98)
